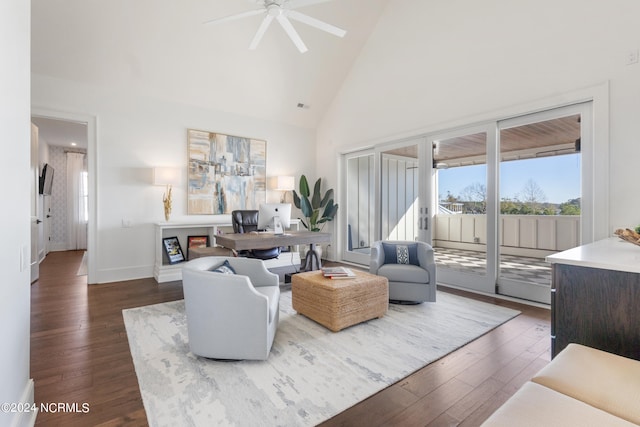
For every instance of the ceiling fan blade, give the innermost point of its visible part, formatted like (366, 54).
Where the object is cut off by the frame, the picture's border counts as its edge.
(292, 33)
(294, 4)
(306, 19)
(261, 30)
(236, 16)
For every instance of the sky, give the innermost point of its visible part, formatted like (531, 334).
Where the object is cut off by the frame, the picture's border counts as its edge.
(557, 176)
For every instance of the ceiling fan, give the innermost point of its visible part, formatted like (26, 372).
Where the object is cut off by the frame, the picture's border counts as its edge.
(282, 11)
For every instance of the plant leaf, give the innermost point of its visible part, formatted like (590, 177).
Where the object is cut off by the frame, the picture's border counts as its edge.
(315, 201)
(304, 186)
(328, 196)
(296, 199)
(314, 218)
(334, 211)
(304, 223)
(305, 207)
(330, 211)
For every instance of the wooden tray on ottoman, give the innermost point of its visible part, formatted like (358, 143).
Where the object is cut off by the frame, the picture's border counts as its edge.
(337, 304)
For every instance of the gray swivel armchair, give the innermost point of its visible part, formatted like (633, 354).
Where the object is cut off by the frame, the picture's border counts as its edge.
(231, 314)
(410, 268)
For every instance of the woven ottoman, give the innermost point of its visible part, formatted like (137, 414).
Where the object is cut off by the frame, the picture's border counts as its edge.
(340, 303)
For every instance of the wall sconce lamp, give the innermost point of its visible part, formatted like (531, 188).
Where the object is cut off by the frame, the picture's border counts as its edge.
(284, 184)
(165, 176)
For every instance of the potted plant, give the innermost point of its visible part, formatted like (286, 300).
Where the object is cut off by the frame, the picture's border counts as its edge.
(318, 209)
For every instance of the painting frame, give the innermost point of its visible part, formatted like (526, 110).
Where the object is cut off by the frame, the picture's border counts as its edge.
(225, 173)
(200, 241)
(173, 250)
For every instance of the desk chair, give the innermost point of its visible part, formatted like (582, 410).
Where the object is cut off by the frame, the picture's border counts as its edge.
(246, 221)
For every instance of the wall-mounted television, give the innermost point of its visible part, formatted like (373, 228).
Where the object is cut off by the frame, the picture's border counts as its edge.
(46, 179)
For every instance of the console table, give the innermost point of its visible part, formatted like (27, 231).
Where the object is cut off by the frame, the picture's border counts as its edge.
(595, 297)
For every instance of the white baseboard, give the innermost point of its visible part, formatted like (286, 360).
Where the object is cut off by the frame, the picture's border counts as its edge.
(57, 247)
(109, 275)
(26, 418)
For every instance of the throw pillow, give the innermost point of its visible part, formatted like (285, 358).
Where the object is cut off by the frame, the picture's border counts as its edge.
(224, 268)
(400, 254)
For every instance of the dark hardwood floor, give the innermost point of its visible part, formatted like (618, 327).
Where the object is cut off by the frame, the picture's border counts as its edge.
(80, 354)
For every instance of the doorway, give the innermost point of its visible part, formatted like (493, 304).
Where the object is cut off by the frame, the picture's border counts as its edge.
(68, 209)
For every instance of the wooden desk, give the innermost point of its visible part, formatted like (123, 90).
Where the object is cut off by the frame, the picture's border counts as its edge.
(248, 241)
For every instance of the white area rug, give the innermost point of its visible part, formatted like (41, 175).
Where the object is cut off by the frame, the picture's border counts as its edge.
(312, 373)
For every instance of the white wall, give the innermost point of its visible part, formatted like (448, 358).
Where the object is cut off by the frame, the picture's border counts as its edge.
(431, 65)
(15, 134)
(136, 133)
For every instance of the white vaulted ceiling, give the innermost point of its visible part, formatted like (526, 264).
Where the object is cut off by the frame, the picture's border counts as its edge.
(163, 50)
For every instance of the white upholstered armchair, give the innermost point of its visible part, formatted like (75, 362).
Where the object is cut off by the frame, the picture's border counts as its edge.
(230, 316)
(410, 268)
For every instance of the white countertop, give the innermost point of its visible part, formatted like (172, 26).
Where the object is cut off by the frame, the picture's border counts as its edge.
(608, 254)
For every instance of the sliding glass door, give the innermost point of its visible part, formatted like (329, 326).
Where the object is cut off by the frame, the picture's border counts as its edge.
(540, 196)
(399, 192)
(383, 194)
(360, 171)
(463, 235)
(493, 199)
(508, 195)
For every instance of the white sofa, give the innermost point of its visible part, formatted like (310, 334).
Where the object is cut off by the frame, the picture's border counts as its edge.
(231, 316)
(581, 387)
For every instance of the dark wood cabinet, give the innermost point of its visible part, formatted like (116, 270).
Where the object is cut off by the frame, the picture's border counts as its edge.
(596, 307)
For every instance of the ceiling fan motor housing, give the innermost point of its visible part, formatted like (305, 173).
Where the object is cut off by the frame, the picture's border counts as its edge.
(274, 9)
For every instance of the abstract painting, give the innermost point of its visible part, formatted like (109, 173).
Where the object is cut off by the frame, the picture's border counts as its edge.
(225, 173)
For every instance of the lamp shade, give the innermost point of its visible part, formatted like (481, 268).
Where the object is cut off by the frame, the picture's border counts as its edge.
(285, 183)
(164, 176)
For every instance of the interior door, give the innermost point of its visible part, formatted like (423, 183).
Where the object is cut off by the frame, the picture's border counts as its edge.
(36, 222)
(47, 224)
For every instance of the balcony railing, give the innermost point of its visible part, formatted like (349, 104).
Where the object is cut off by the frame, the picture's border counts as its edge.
(523, 235)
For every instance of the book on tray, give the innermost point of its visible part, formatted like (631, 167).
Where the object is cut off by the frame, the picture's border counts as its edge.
(338, 273)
